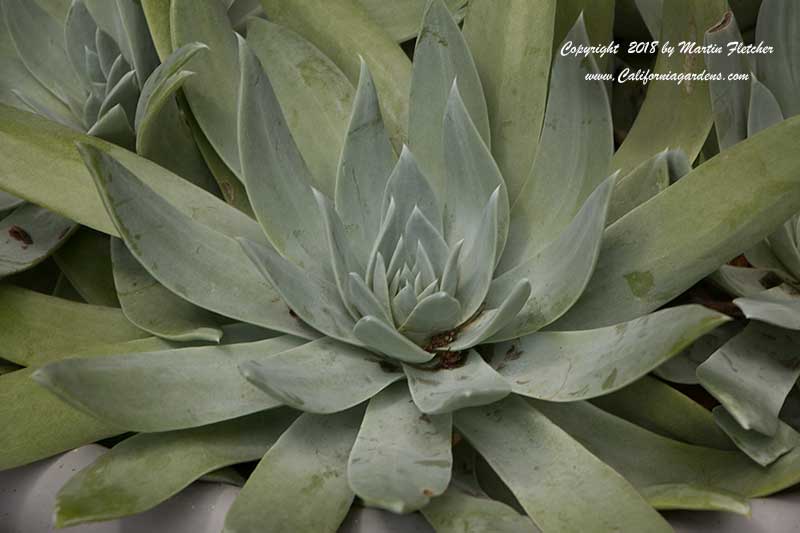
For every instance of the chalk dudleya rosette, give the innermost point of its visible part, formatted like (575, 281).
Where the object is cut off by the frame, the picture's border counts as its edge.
(415, 290)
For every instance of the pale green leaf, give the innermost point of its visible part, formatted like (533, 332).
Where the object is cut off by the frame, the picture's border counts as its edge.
(559, 272)
(147, 469)
(654, 405)
(314, 94)
(779, 306)
(481, 250)
(437, 391)
(685, 233)
(213, 91)
(165, 390)
(511, 43)
(441, 57)
(777, 27)
(273, 170)
(29, 235)
(157, 15)
(382, 337)
(673, 115)
(35, 327)
(194, 261)
(401, 457)
(574, 491)
(153, 308)
(764, 110)
(323, 376)
(761, 448)
(680, 496)
(366, 163)
(572, 159)
(576, 365)
(752, 374)
(304, 474)
(400, 18)
(344, 31)
(114, 126)
(86, 262)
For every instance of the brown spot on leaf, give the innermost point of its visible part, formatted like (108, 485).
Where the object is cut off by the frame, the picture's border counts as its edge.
(19, 234)
(722, 24)
(427, 492)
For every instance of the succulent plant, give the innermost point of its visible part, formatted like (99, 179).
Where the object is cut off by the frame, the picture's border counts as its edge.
(753, 369)
(478, 287)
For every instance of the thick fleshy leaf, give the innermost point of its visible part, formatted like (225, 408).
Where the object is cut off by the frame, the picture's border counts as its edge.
(8, 203)
(153, 308)
(401, 458)
(400, 18)
(511, 43)
(29, 235)
(745, 281)
(157, 15)
(37, 424)
(783, 244)
(471, 176)
(730, 100)
(131, 33)
(366, 163)
(124, 94)
(481, 250)
(449, 389)
(314, 94)
(45, 58)
(691, 497)
(490, 321)
(683, 367)
(779, 306)
(79, 33)
(764, 109)
(34, 328)
(344, 31)
(654, 405)
(213, 91)
(780, 70)
(559, 272)
(314, 300)
(194, 261)
(572, 159)
(576, 365)
(85, 261)
(165, 390)
(761, 448)
(39, 162)
(436, 313)
(752, 374)
(277, 179)
(147, 469)
(675, 251)
(323, 376)
(649, 460)
(575, 491)
(646, 181)
(458, 510)
(162, 135)
(305, 475)
(673, 115)
(115, 127)
(441, 57)
(380, 336)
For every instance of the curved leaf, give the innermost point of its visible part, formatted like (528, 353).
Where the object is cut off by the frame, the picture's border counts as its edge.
(29, 235)
(780, 70)
(672, 251)
(323, 376)
(380, 336)
(441, 56)
(305, 475)
(752, 374)
(761, 448)
(147, 469)
(572, 159)
(437, 391)
(779, 306)
(192, 260)
(401, 458)
(35, 328)
(314, 94)
(576, 365)
(458, 510)
(574, 490)
(400, 18)
(153, 308)
(166, 390)
(511, 43)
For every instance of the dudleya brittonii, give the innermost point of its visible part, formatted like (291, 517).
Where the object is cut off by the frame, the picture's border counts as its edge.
(413, 294)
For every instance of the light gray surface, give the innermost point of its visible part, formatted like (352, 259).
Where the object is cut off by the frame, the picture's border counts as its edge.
(27, 495)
